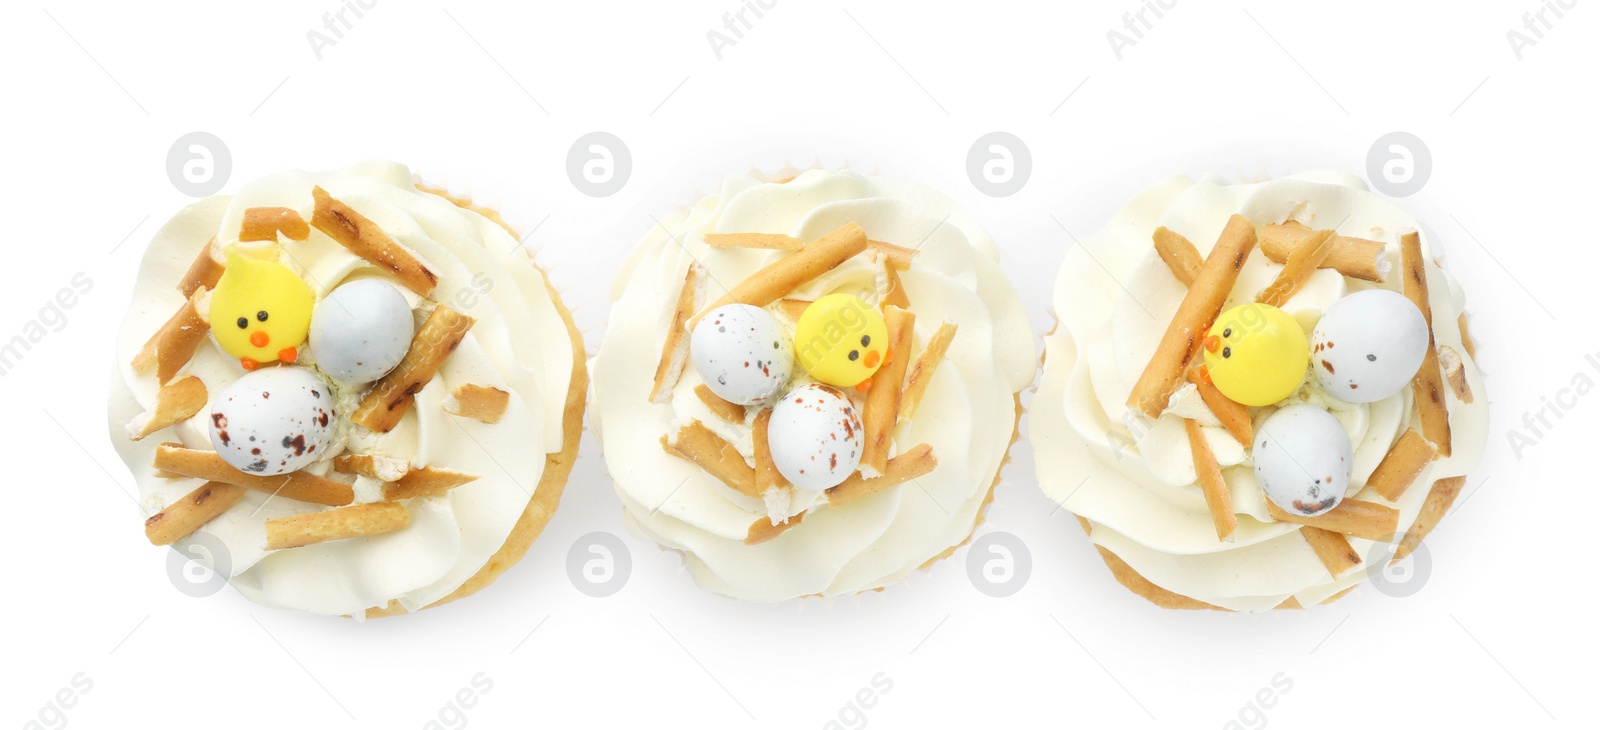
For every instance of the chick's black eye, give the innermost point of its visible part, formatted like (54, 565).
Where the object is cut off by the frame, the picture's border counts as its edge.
(866, 340)
(261, 316)
(1227, 351)
(1227, 332)
(855, 354)
(243, 323)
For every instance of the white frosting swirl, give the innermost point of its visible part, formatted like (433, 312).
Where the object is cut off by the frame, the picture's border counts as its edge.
(967, 415)
(519, 343)
(1114, 298)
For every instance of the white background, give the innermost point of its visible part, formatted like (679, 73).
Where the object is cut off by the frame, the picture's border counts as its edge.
(488, 99)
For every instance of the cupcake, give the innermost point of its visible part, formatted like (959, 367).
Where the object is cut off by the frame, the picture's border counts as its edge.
(346, 393)
(1257, 394)
(809, 387)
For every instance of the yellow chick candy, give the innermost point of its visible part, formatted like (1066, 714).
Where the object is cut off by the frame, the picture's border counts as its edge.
(1256, 354)
(260, 311)
(841, 340)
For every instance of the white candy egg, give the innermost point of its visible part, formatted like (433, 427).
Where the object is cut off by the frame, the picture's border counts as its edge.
(1303, 459)
(815, 436)
(742, 353)
(273, 421)
(1368, 346)
(361, 330)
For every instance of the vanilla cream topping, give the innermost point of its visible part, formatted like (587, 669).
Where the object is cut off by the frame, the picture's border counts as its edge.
(967, 415)
(1114, 298)
(519, 343)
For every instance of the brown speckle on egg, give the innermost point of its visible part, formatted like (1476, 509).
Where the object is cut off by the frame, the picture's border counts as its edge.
(1313, 508)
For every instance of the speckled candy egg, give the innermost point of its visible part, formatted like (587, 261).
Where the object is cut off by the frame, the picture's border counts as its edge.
(273, 420)
(742, 353)
(361, 331)
(1302, 459)
(815, 436)
(1368, 346)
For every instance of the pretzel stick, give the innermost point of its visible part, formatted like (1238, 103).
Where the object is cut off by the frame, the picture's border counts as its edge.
(899, 256)
(1180, 255)
(1427, 387)
(1235, 416)
(923, 369)
(762, 530)
(776, 241)
(1401, 465)
(1199, 308)
(1434, 508)
(425, 482)
(697, 444)
(204, 272)
(675, 351)
(1368, 520)
(172, 346)
(882, 407)
(342, 523)
(208, 465)
(767, 474)
(181, 518)
(410, 484)
(894, 293)
(484, 403)
(1354, 257)
(1332, 548)
(1218, 499)
(917, 462)
(365, 239)
(389, 400)
(725, 410)
(1184, 261)
(785, 275)
(1455, 373)
(1308, 254)
(794, 307)
(175, 402)
(382, 468)
(264, 224)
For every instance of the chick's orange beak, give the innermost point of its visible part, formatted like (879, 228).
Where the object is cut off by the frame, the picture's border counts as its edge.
(871, 360)
(259, 338)
(1212, 342)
